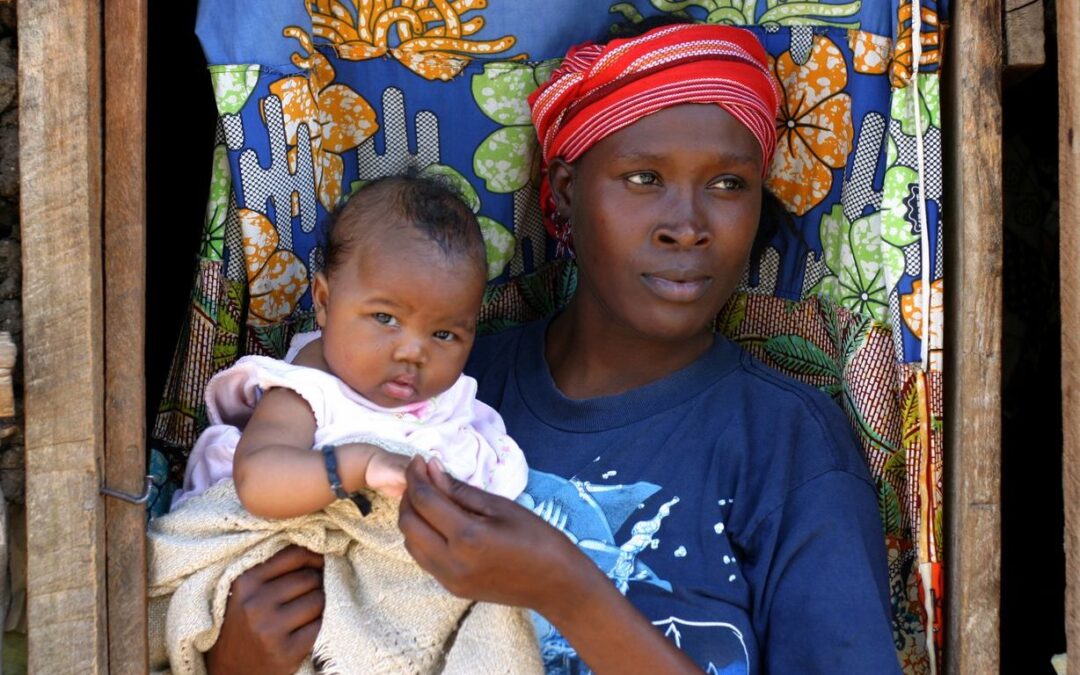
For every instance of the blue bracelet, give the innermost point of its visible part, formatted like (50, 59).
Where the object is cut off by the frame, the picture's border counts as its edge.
(330, 460)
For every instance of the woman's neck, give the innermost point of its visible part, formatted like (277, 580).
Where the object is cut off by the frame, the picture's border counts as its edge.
(590, 358)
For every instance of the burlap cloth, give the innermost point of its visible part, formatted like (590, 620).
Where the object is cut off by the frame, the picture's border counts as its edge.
(383, 613)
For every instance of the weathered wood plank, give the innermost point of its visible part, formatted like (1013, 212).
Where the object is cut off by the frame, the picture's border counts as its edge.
(60, 162)
(1025, 34)
(125, 311)
(973, 391)
(1068, 26)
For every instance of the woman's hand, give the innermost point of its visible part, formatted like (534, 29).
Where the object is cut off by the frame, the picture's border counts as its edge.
(272, 616)
(485, 547)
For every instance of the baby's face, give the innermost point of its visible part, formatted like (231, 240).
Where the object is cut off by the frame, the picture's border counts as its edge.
(398, 318)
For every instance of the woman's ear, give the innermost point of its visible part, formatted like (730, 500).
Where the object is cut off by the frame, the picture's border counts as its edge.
(560, 177)
(320, 297)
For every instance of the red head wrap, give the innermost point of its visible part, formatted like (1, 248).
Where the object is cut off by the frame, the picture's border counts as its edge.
(600, 89)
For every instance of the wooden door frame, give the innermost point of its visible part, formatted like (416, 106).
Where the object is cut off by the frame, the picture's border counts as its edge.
(1068, 20)
(83, 210)
(973, 239)
(82, 117)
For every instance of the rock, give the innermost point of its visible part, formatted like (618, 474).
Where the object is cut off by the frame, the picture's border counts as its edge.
(10, 269)
(9, 154)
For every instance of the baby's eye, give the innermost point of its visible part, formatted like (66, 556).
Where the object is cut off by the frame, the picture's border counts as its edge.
(385, 319)
(444, 335)
(728, 183)
(644, 178)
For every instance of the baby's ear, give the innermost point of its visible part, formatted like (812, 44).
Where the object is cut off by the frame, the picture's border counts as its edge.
(560, 177)
(320, 297)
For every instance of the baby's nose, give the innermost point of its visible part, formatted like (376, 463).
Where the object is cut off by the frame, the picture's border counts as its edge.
(410, 350)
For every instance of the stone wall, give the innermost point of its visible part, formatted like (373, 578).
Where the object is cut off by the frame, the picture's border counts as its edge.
(12, 474)
(11, 446)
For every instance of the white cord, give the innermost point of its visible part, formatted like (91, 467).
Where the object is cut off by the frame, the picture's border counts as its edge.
(927, 266)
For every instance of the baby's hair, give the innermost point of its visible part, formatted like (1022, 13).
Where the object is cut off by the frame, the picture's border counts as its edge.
(428, 203)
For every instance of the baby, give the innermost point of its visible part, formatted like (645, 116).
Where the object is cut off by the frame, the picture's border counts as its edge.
(396, 304)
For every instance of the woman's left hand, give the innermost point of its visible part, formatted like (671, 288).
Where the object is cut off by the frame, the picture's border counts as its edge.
(485, 547)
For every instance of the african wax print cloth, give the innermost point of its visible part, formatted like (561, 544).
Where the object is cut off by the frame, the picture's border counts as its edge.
(317, 97)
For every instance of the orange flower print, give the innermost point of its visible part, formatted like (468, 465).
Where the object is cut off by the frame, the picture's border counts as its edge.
(338, 119)
(900, 69)
(276, 277)
(912, 314)
(432, 37)
(814, 131)
(869, 52)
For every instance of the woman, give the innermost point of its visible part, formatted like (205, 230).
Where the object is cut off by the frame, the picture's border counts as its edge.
(708, 513)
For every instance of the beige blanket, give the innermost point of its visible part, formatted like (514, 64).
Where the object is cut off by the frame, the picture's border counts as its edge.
(383, 613)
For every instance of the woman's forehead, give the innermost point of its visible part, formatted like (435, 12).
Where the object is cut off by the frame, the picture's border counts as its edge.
(690, 128)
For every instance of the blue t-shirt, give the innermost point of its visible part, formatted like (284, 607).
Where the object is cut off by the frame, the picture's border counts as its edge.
(729, 503)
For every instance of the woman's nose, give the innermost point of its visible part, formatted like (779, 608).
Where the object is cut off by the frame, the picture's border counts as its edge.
(686, 233)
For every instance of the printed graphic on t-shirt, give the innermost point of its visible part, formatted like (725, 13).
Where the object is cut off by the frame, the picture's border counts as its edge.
(590, 515)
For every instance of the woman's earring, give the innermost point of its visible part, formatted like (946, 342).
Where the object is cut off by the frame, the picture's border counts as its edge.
(564, 236)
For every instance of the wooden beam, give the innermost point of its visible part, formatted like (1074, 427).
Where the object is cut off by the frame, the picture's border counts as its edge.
(1068, 26)
(125, 328)
(974, 302)
(60, 199)
(1025, 34)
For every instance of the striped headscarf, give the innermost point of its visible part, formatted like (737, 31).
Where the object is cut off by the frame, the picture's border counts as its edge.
(600, 89)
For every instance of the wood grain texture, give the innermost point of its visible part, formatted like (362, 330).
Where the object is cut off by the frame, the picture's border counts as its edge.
(1025, 34)
(1068, 26)
(974, 321)
(60, 166)
(125, 328)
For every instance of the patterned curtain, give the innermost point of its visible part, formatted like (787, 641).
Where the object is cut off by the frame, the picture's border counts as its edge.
(316, 97)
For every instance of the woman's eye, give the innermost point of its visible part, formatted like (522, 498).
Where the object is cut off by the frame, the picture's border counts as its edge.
(728, 183)
(444, 335)
(644, 178)
(385, 319)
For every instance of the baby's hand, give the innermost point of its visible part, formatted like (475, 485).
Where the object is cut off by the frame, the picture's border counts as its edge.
(385, 473)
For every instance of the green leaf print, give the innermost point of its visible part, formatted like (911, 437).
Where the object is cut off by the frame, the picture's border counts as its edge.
(732, 315)
(628, 12)
(217, 208)
(460, 183)
(854, 339)
(744, 12)
(889, 504)
(897, 225)
(501, 92)
(232, 86)
(502, 159)
(903, 109)
(783, 13)
(800, 355)
(854, 255)
(499, 243)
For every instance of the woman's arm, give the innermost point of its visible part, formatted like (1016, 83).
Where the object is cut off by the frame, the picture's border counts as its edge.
(485, 547)
(277, 475)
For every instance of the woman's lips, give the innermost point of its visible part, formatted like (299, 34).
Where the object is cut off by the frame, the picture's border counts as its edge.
(677, 286)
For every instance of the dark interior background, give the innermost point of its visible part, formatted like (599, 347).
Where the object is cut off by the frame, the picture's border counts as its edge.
(180, 139)
(1033, 556)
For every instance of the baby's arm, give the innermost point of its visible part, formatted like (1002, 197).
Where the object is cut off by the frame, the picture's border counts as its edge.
(278, 475)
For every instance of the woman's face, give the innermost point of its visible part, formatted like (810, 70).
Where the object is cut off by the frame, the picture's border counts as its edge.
(664, 214)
